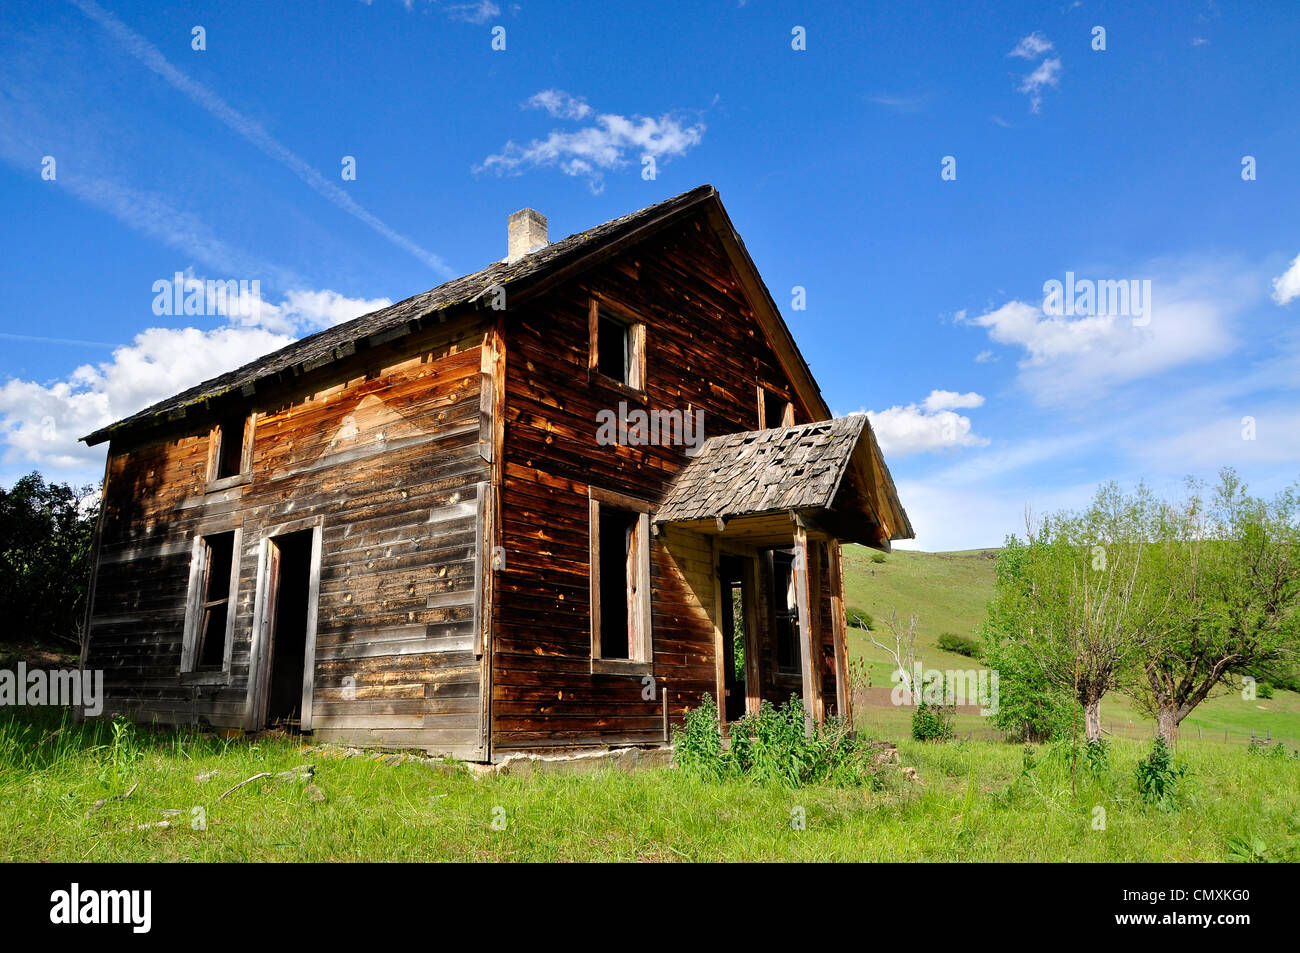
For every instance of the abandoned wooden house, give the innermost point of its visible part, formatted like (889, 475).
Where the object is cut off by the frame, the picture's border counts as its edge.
(404, 530)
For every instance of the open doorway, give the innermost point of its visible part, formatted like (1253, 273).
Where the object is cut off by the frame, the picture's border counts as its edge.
(735, 639)
(288, 629)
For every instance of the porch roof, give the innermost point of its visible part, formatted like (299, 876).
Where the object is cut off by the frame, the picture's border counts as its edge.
(830, 471)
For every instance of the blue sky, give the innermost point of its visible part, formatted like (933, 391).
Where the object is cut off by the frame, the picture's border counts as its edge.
(925, 294)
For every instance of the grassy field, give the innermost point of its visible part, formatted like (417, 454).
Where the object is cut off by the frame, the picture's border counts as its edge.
(975, 801)
(948, 592)
(95, 793)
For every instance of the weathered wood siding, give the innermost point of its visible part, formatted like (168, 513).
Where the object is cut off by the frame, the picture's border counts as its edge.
(705, 350)
(386, 455)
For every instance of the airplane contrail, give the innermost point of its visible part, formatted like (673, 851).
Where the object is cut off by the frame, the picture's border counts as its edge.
(251, 130)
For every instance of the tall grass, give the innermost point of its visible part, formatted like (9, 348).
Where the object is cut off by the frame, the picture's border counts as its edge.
(975, 801)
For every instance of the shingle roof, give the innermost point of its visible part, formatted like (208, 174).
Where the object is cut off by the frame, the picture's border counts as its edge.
(378, 326)
(762, 471)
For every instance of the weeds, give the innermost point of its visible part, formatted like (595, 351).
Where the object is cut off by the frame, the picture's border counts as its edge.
(772, 747)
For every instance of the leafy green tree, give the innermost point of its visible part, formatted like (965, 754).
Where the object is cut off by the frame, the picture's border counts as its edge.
(1077, 604)
(1229, 569)
(46, 531)
(1030, 707)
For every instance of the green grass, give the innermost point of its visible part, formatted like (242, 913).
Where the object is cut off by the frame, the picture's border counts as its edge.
(974, 804)
(947, 591)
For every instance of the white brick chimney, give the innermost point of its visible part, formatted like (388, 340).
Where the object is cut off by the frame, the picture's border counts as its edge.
(525, 233)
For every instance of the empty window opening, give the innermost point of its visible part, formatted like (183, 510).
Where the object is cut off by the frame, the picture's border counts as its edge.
(290, 593)
(618, 582)
(776, 411)
(614, 348)
(230, 448)
(218, 557)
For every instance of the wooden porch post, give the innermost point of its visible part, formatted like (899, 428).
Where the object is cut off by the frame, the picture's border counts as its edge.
(719, 648)
(835, 576)
(806, 633)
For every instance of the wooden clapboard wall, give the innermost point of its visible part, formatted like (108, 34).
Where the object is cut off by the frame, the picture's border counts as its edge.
(385, 453)
(704, 349)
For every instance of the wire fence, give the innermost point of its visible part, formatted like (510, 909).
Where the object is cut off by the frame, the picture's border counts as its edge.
(875, 714)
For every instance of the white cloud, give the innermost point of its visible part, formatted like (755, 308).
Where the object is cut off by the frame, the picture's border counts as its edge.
(1286, 286)
(559, 104)
(1032, 46)
(1065, 359)
(951, 400)
(1048, 73)
(932, 425)
(985, 357)
(41, 423)
(610, 142)
(302, 312)
(479, 12)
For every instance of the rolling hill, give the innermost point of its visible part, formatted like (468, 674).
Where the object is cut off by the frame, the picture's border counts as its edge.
(948, 592)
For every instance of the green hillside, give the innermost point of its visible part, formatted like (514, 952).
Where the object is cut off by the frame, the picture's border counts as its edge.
(948, 592)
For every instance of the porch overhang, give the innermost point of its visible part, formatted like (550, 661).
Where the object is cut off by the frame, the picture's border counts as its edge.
(826, 478)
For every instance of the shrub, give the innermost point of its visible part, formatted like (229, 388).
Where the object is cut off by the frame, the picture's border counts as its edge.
(698, 742)
(859, 617)
(878, 558)
(1158, 777)
(1096, 755)
(1262, 749)
(932, 722)
(960, 644)
(1264, 691)
(772, 748)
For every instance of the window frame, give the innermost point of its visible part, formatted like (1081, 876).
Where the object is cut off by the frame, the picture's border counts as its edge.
(787, 412)
(214, 483)
(200, 564)
(640, 660)
(599, 306)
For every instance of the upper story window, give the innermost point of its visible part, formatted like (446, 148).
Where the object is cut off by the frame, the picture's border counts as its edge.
(616, 347)
(230, 451)
(774, 410)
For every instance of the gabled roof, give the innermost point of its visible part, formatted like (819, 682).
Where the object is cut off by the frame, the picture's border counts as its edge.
(831, 467)
(523, 277)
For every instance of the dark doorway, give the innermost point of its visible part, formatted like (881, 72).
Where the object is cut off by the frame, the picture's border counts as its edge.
(290, 593)
(731, 574)
(785, 612)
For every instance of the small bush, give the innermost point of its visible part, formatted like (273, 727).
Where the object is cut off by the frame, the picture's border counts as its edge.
(772, 748)
(859, 617)
(1264, 690)
(698, 742)
(1158, 777)
(961, 644)
(879, 558)
(1096, 755)
(931, 723)
(1262, 749)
